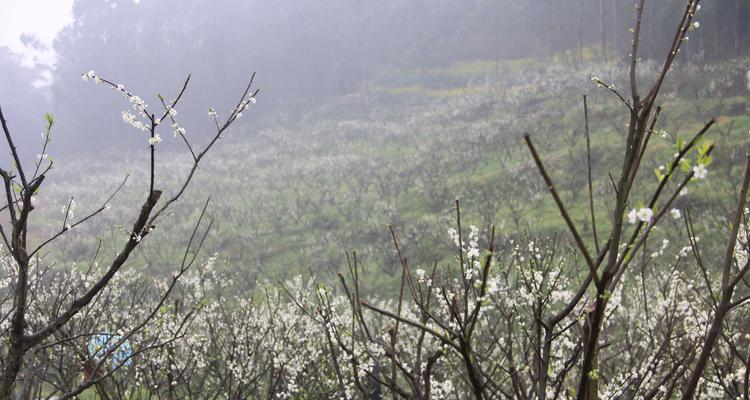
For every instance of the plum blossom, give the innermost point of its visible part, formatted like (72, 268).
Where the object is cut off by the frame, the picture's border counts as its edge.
(454, 236)
(131, 120)
(676, 214)
(420, 274)
(69, 208)
(643, 214)
(89, 75)
(177, 130)
(632, 217)
(700, 171)
(138, 104)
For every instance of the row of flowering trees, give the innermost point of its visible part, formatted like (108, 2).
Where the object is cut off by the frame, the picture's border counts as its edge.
(626, 312)
(497, 322)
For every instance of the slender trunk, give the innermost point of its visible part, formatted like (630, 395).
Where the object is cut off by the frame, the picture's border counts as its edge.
(14, 360)
(591, 337)
(17, 346)
(708, 345)
(536, 384)
(588, 388)
(543, 365)
(475, 379)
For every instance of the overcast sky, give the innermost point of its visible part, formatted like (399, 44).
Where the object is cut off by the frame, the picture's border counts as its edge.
(42, 18)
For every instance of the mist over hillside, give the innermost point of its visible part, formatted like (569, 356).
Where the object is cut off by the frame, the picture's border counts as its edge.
(307, 51)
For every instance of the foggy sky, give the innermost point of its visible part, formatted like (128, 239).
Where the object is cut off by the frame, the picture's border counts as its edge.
(303, 51)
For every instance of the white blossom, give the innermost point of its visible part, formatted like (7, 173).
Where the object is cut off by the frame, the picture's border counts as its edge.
(645, 214)
(632, 216)
(154, 140)
(420, 274)
(133, 121)
(700, 171)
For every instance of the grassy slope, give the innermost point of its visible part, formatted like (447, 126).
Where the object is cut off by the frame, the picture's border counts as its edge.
(297, 197)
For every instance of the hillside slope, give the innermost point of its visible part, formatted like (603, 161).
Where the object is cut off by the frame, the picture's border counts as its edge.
(298, 197)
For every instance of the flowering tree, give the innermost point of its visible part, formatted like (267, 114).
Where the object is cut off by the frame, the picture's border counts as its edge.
(44, 309)
(561, 323)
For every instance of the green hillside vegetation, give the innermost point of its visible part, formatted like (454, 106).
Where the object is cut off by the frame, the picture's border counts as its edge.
(297, 197)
